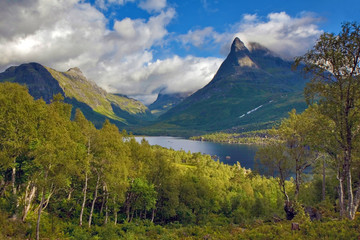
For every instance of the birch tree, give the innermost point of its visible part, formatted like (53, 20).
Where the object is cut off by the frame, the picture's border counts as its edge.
(334, 68)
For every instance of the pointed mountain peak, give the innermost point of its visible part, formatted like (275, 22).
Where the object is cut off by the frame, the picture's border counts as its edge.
(237, 45)
(75, 70)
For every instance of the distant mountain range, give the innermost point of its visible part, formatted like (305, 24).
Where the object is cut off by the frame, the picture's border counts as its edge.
(96, 103)
(166, 101)
(253, 89)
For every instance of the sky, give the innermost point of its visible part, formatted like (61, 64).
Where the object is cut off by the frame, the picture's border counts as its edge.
(143, 47)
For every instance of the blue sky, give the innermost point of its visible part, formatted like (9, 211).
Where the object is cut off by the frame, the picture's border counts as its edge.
(141, 47)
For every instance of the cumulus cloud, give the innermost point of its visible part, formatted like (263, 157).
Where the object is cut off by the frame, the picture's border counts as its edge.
(119, 60)
(105, 4)
(152, 5)
(144, 79)
(147, 5)
(285, 35)
(37, 34)
(199, 37)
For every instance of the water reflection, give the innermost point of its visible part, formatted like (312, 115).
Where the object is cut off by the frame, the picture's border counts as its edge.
(227, 153)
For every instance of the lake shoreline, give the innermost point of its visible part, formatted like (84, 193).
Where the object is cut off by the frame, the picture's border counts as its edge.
(224, 152)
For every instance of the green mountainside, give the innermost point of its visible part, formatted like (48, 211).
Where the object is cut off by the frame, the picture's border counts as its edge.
(253, 89)
(96, 103)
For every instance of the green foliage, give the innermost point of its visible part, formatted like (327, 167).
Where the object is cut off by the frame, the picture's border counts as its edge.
(133, 190)
(254, 137)
(334, 65)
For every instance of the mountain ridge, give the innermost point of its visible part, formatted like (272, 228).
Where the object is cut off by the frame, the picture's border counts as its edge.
(245, 80)
(95, 102)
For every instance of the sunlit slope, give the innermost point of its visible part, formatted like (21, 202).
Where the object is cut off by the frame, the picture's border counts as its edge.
(95, 102)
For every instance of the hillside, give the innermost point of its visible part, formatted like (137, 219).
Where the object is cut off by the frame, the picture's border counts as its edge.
(253, 89)
(97, 105)
(166, 101)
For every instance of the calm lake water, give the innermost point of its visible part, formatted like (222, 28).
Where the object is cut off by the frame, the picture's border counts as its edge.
(227, 153)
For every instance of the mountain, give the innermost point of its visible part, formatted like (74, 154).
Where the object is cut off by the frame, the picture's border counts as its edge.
(96, 104)
(252, 89)
(166, 101)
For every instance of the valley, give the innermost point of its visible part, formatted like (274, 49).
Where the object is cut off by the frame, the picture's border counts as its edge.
(253, 89)
(162, 119)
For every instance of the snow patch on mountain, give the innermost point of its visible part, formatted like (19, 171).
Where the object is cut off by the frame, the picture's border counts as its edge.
(253, 110)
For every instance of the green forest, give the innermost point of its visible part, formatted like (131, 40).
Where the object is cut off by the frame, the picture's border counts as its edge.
(61, 178)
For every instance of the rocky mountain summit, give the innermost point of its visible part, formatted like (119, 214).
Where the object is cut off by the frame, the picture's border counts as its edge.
(253, 89)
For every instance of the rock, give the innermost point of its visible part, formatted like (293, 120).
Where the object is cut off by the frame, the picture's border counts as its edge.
(290, 211)
(276, 219)
(313, 213)
(295, 226)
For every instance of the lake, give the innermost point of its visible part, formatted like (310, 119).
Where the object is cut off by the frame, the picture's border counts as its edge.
(227, 153)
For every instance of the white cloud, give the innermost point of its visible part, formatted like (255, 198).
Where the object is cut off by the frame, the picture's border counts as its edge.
(75, 29)
(152, 5)
(250, 17)
(198, 37)
(121, 60)
(177, 74)
(147, 5)
(285, 35)
(144, 78)
(105, 4)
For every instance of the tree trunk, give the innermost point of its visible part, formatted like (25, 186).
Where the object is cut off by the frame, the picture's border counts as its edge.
(84, 199)
(127, 206)
(282, 185)
(115, 212)
(323, 180)
(132, 216)
(356, 201)
(341, 195)
(350, 202)
(127, 212)
(116, 217)
(94, 200)
(350, 197)
(70, 194)
(13, 175)
(2, 187)
(85, 186)
(297, 181)
(106, 207)
(102, 205)
(39, 214)
(29, 197)
(153, 215)
(49, 196)
(41, 207)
